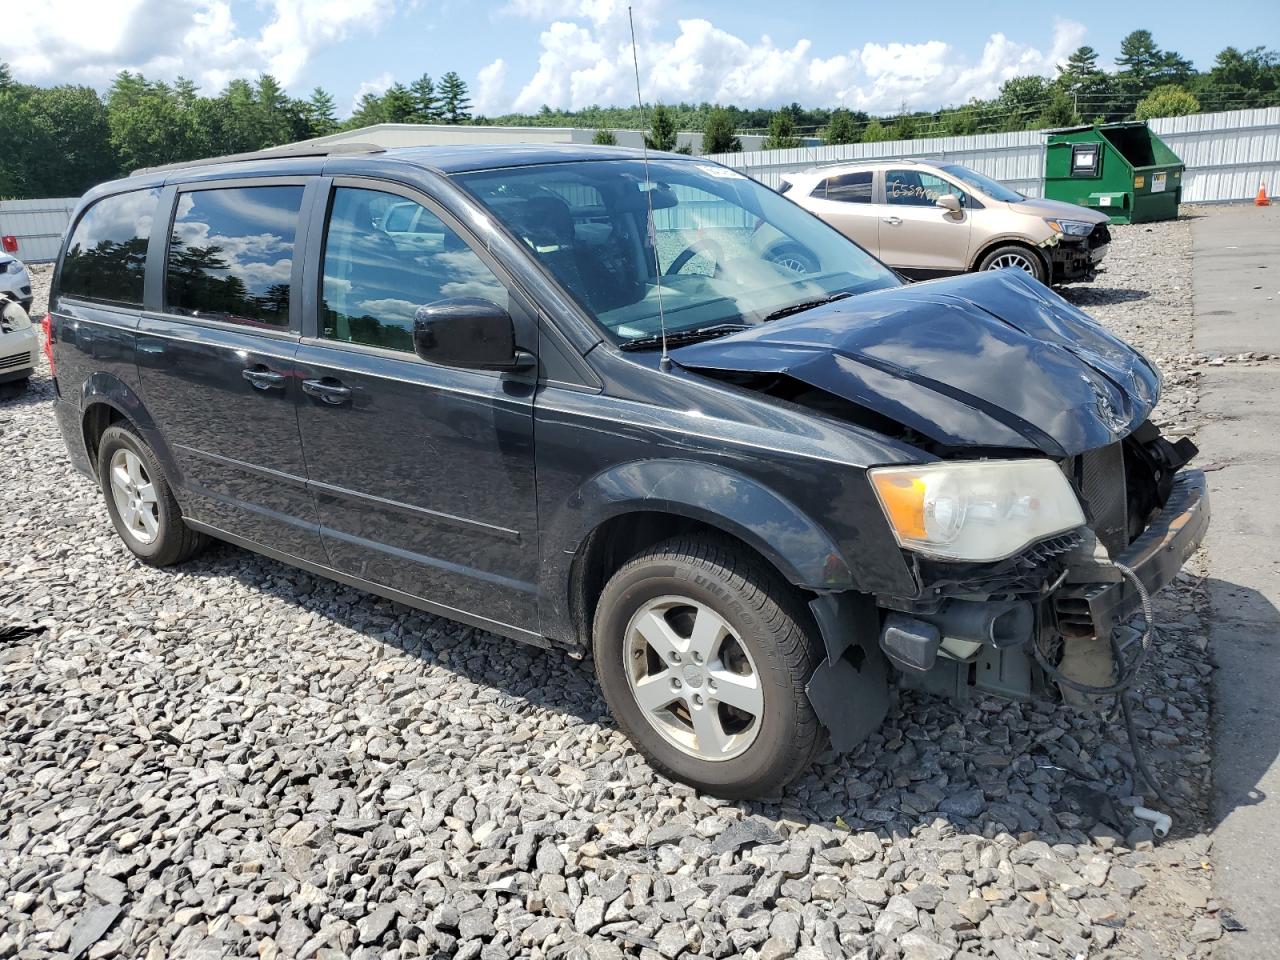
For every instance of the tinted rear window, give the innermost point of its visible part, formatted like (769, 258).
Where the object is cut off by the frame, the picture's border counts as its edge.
(847, 188)
(107, 253)
(231, 254)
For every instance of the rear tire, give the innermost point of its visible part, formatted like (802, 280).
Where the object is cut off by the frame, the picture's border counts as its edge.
(1013, 256)
(140, 502)
(758, 649)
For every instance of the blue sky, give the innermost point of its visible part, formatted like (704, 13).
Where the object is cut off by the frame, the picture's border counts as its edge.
(519, 54)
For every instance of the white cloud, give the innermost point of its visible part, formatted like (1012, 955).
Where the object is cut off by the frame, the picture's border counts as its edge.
(61, 41)
(585, 58)
(377, 86)
(489, 94)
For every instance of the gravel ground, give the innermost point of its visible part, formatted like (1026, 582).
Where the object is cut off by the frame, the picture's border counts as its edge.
(235, 758)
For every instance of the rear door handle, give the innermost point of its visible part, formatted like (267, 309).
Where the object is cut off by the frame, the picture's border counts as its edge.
(264, 379)
(892, 220)
(330, 391)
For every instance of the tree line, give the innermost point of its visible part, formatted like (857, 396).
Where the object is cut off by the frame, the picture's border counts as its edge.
(1149, 83)
(61, 140)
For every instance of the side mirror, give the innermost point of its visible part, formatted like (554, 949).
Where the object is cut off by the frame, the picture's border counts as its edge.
(467, 332)
(949, 202)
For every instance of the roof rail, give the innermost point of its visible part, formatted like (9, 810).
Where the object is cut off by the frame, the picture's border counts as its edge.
(271, 153)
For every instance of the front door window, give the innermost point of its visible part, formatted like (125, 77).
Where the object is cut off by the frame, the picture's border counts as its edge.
(385, 257)
(915, 188)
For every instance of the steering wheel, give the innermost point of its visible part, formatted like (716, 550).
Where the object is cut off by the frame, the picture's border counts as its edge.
(704, 247)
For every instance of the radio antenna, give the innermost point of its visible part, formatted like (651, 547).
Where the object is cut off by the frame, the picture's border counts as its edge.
(664, 363)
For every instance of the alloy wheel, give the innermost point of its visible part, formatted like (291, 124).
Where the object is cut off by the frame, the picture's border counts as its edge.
(693, 678)
(135, 496)
(1015, 261)
(790, 262)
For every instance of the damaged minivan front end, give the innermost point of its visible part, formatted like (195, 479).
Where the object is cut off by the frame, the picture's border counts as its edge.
(1045, 507)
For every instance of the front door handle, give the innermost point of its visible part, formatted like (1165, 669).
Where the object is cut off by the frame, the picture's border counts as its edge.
(330, 391)
(264, 379)
(894, 221)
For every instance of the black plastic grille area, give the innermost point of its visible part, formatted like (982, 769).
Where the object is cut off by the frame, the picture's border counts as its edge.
(1100, 236)
(1100, 474)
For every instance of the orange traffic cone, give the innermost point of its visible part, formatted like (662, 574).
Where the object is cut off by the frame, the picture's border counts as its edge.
(1261, 200)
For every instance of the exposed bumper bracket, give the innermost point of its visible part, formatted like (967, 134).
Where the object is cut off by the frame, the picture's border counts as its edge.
(1155, 557)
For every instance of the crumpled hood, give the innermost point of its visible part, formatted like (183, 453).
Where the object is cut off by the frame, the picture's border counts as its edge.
(989, 359)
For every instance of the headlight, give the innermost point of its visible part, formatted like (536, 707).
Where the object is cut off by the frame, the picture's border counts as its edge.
(978, 509)
(10, 266)
(1070, 228)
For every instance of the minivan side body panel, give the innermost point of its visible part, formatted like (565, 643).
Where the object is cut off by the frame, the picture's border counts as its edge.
(236, 440)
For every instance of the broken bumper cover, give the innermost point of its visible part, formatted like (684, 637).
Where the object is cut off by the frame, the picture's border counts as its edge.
(1156, 556)
(1074, 261)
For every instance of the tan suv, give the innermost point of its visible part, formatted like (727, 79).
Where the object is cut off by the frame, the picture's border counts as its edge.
(928, 219)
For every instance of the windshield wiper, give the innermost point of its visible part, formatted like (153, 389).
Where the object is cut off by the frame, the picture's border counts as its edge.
(806, 305)
(690, 335)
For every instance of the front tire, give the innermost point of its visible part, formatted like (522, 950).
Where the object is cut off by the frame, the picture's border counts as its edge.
(703, 653)
(792, 256)
(140, 502)
(1015, 257)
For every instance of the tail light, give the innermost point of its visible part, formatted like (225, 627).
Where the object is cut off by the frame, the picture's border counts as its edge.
(47, 326)
(9, 242)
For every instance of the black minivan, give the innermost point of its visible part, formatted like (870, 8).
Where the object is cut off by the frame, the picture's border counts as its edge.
(642, 406)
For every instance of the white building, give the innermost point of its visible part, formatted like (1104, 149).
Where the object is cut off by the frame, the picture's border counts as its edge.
(430, 134)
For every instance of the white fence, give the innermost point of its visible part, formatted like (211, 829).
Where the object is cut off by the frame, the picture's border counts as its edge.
(1013, 158)
(1227, 155)
(38, 225)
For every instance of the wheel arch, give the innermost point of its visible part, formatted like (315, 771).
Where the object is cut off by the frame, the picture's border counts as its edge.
(107, 400)
(1012, 241)
(633, 506)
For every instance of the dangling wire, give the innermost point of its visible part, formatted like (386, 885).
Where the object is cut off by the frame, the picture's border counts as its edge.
(665, 362)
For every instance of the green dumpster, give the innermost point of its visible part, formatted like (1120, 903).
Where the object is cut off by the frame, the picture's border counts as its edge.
(1120, 169)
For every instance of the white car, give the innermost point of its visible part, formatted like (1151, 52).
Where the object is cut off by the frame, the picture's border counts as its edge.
(18, 341)
(15, 280)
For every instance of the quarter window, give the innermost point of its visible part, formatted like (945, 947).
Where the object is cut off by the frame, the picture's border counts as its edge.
(231, 254)
(846, 188)
(386, 257)
(107, 254)
(915, 188)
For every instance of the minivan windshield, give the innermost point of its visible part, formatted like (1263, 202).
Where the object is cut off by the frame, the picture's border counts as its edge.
(731, 252)
(992, 188)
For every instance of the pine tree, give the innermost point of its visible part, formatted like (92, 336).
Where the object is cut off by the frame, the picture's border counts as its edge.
(455, 106)
(398, 105)
(1140, 59)
(320, 112)
(782, 132)
(662, 131)
(840, 129)
(185, 92)
(718, 135)
(272, 119)
(426, 102)
(368, 111)
(604, 138)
